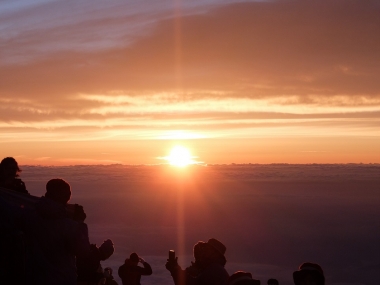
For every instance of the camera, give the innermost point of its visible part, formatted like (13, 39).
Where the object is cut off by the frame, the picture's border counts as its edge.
(171, 255)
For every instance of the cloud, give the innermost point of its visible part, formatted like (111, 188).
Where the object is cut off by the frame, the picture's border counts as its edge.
(118, 70)
(36, 30)
(291, 46)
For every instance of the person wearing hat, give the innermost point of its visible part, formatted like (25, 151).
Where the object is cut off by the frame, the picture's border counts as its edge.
(54, 240)
(130, 273)
(309, 274)
(242, 278)
(9, 175)
(207, 269)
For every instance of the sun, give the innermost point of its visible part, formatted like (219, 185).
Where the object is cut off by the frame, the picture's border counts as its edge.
(180, 156)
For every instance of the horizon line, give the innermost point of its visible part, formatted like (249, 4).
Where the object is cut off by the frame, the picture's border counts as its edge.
(204, 164)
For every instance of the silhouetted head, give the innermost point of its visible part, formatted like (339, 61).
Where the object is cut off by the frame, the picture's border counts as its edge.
(242, 278)
(58, 190)
(134, 257)
(217, 246)
(309, 274)
(9, 167)
(211, 251)
(272, 281)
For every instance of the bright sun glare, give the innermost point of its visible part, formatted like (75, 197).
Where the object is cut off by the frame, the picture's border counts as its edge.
(180, 156)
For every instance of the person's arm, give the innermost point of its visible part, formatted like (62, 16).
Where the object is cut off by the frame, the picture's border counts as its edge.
(147, 270)
(178, 274)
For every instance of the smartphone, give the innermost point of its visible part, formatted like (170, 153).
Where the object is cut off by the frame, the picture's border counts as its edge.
(171, 254)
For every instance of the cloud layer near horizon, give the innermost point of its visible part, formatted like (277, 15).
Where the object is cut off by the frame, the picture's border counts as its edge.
(278, 216)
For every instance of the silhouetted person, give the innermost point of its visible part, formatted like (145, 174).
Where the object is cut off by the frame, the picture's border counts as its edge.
(9, 173)
(242, 278)
(12, 238)
(108, 277)
(272, 281)
(309, 274)
(89, 269)
(130, 273)
(207, 269)
(54, 239)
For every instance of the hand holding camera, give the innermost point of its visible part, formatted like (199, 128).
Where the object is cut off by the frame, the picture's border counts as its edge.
(172, 262)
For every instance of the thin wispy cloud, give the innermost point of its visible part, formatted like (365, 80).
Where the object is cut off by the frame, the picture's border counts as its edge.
(44, 27)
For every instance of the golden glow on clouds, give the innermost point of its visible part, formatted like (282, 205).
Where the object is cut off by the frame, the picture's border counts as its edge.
(215, 72)
(180, 135)
(174, 103)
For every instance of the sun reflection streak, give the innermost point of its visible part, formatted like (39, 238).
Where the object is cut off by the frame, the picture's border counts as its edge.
(178, 60)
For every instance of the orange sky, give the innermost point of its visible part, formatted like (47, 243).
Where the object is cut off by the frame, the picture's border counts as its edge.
(235, 81)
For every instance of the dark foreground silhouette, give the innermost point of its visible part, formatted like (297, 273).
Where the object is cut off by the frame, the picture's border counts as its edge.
(45, 241)
(130, 273)
(42, 239)
(208, 267)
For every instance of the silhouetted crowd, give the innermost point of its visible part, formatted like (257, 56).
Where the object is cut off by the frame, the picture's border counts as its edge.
(48, 244)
